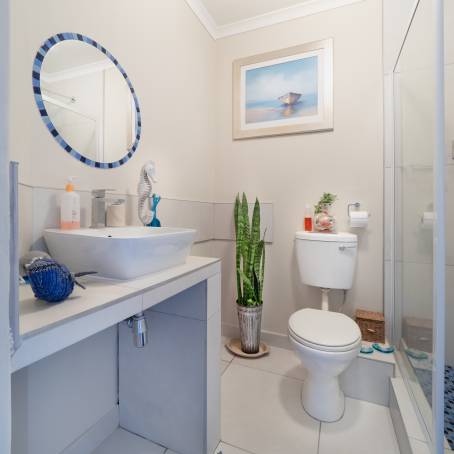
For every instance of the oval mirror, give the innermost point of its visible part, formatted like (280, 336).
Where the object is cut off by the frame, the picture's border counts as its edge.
(86, 100)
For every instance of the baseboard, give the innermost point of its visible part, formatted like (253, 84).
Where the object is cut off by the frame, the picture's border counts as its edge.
(91, 439)
(269, 337)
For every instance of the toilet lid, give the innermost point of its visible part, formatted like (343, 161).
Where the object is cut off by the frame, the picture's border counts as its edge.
(324, 329)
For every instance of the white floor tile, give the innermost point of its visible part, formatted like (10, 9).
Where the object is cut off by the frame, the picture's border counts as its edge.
(224, 365)
(419, 447)
(122, 442)
(261, 412)
(365, 429)
(225, 354)
(224, 448)
(279, 361)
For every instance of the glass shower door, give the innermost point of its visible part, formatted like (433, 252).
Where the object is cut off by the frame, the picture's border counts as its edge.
(419, 254)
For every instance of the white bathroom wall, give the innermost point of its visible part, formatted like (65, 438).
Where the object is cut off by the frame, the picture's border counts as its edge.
(170, 59)
(293, 170)
(5, 382)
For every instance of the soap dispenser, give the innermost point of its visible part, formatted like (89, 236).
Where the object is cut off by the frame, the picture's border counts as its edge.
(70, 207)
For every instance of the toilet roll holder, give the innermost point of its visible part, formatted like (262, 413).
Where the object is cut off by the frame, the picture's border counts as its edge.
(350, 205)
(356, 223)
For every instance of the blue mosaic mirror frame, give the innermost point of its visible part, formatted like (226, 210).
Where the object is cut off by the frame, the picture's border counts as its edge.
(37, 66)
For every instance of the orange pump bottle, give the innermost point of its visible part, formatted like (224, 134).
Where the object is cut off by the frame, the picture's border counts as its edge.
(308, 219)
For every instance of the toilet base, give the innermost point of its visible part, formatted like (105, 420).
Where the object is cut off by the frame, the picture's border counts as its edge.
(322, 398)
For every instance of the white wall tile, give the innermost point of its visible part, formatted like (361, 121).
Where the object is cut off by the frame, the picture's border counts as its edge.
(40, 209)
(388, 93)
(388, 213)
(188, 214)
(417, 198)
(368, 380)
(388, 295)
(417, 290)
(224, 228)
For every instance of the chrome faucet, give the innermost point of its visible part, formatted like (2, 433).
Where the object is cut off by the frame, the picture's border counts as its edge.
(99, 204)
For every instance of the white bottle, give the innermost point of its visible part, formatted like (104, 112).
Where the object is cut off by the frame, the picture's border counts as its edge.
(70, 207)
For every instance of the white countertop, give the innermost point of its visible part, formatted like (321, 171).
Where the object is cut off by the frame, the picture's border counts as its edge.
(37, 316)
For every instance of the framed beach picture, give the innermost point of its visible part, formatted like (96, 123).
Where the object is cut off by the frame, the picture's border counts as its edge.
(288, 91)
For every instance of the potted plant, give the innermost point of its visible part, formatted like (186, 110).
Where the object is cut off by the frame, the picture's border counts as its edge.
(324, 221)
(250, 268)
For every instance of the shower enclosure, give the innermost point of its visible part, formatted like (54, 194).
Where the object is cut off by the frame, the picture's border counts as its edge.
(423, 253)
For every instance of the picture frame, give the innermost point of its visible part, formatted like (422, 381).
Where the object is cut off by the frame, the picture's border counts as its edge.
(288, 91)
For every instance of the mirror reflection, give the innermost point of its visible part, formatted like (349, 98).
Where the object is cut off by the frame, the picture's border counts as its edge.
(88, 100)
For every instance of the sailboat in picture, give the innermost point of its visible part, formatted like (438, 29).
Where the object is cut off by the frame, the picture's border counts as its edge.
(290, 98)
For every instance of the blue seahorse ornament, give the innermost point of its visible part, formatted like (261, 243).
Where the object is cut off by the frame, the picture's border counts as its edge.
(155, 222)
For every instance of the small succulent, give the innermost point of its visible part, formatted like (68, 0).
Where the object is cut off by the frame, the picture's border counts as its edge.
(326, 199)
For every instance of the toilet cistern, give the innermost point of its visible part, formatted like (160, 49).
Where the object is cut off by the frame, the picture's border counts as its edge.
(326, 260)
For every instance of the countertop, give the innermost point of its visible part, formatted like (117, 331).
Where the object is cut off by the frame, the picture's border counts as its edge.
(37, 315)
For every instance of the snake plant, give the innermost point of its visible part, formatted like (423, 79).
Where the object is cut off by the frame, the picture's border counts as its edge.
(250, 254)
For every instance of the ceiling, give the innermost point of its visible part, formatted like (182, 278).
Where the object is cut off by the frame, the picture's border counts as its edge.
(226, 12)
(229, 17)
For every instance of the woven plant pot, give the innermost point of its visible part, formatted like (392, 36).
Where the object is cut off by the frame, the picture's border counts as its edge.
(250, 321)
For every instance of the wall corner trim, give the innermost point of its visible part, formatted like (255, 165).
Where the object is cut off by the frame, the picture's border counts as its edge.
(303, 9)
(204, 16)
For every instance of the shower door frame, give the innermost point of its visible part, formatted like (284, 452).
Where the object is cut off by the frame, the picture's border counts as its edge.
(433, 422)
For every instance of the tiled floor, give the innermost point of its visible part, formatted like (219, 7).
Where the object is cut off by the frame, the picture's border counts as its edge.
(124, 442)
(262, 413)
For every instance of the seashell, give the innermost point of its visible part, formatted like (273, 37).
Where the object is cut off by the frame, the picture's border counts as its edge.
(50, 281)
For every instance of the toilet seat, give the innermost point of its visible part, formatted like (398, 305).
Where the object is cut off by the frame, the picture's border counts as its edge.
(324, 330)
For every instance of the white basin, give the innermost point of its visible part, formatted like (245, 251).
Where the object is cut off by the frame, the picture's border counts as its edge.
(120, 252)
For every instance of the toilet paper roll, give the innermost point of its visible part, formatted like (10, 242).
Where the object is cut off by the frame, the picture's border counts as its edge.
(359, 219)
(427, 219)
(116, 215)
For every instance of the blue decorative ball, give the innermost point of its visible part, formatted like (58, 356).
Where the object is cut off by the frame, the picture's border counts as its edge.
(50, 281)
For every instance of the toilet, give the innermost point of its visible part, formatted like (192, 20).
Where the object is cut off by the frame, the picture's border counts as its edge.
(326, 342)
